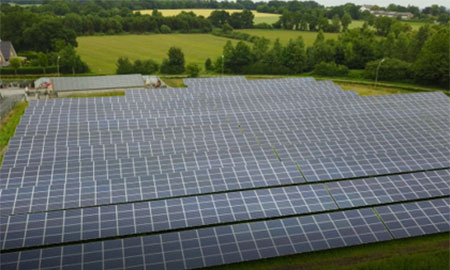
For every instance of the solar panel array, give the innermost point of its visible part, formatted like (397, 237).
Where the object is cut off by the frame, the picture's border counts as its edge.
(224, 171)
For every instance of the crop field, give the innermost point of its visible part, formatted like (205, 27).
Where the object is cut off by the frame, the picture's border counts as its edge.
(259, 17)
(286, 35)
(101, 52)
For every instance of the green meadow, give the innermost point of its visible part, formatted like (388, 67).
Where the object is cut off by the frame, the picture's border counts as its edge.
(101, 52)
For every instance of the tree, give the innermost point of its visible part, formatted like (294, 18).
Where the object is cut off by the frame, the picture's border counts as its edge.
(174, 64)
(15, 63)
(417, 42)
(433, 62)
(346, 21)
(219, 17)
(43, 61)
(192, 70)
(208, 65)
(336, 24)
(241, 56)
(293, 55)
(165, 29)
(71, 61)
(124, 66)
(145, 67)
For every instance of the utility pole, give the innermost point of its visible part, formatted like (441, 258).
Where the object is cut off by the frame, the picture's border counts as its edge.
(378, 68)
(222, 64)
(57, 64)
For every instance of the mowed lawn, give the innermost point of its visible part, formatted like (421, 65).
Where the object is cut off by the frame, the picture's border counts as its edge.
(259, 17)
(101, 52)
(286, 35)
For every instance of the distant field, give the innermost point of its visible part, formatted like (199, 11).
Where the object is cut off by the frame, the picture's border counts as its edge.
(286, 35)
(259, 17)
(101, 52)
(359, 23)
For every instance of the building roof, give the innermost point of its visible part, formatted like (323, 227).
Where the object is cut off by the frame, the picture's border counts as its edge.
(94, 82)
(5, 48)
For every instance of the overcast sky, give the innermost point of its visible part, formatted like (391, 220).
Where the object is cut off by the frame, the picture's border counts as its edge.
(420, 4)
(383, 3)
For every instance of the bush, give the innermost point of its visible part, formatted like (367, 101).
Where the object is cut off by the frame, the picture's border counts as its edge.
(145, 67)
(391, 70)
(175, 63)
(208, 65)
(165, 29)
(330, 69)
(192, 70)
(262, 26)
(124, 66)
(28, 70)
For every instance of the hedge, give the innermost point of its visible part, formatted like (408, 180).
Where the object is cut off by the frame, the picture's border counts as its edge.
(330, 69)
(28, 70)
(390, 70)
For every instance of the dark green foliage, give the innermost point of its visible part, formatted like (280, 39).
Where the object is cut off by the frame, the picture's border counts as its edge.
(330, 69)
(433, 62)
(124, 66)
(192, 70)
(28, 70)
(390, 70)
(262, 26)
(145, 67)
(15, 63)
(346, 20)
(165, 29)
(208, 65)
(70, 61)
(175, 63)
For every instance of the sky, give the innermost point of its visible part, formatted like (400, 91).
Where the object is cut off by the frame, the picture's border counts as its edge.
(385, 3)
(382, 3)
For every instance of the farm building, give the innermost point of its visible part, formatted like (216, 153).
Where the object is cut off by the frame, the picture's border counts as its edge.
(69, 85)
(6, 52)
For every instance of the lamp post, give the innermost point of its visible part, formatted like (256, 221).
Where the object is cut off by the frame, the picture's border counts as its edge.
(57, 64)
(222, 64)
(378, 68)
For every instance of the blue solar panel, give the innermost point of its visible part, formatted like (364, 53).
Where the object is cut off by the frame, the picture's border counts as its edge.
(222, 171)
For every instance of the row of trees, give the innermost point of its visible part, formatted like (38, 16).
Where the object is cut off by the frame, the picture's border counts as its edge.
(37, 31)
(173, 64)
(423, 55)
(312, 20)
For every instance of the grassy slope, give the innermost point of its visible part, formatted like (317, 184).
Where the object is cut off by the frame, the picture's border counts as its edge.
(426, 252)
(8, 126)
(101, 52)
(286, 35)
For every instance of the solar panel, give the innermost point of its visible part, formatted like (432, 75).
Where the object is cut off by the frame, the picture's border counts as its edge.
(416, 218)
(213, 246)
(222, 171)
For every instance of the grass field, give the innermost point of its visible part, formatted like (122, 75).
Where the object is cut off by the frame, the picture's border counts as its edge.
(286, 35)
(8, 126)
(259, 17)
(420, 253)
(101, 52)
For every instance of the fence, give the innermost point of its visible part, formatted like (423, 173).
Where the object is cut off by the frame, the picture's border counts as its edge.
(7, 103)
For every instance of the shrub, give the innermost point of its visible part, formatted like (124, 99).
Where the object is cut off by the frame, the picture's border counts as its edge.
(28, 70)
(192, 70)
(175, 63)
(124, 66)
(145, 67)
(208, 65)
(165, 29)
(262, 26)
(330, 69)
(391, 70)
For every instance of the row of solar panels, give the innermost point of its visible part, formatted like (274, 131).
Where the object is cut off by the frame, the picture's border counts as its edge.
(224, 150)
(61, 226)
(242, 242)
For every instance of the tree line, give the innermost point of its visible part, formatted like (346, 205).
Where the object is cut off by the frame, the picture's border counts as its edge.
(421, 56)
